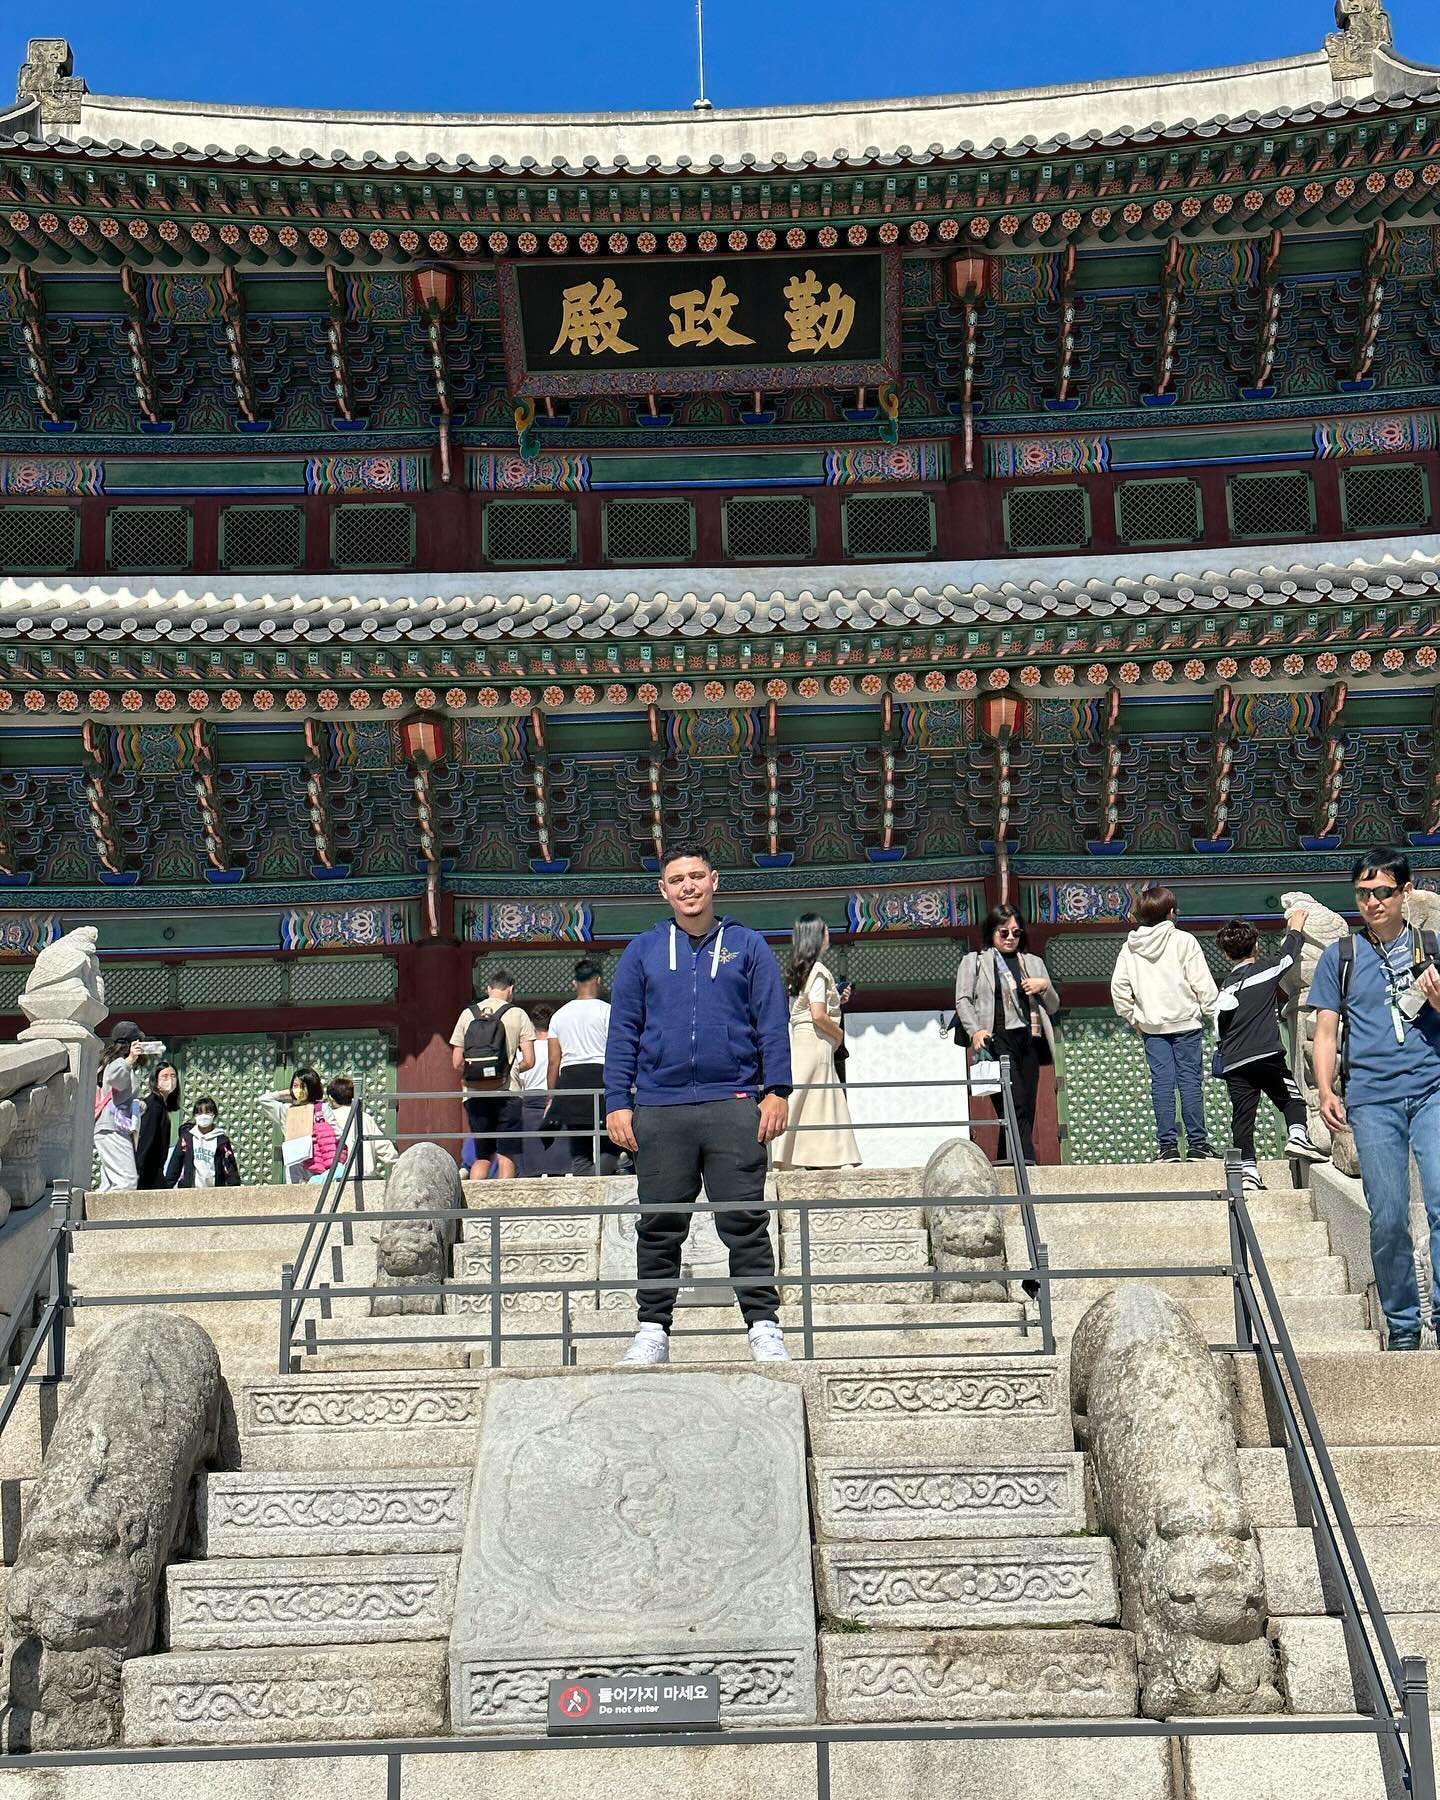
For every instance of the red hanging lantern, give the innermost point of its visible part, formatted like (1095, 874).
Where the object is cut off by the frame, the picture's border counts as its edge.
(999, 715)
(434, 289)
(423, 740)
(968, 274)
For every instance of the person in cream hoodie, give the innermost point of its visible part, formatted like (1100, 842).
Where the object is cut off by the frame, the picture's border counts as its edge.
(1163, 988)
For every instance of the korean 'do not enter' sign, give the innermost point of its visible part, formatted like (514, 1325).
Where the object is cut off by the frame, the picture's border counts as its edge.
(633, 1703)
(695, 323)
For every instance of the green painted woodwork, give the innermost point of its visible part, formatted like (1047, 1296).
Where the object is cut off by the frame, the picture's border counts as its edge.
(280, 294)
(1331, 253)
(1104, 1091)
(194, 474)
(679, 469)
(1118, 271)
(1144, 449)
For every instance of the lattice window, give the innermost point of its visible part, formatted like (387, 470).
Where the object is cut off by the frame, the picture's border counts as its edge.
(246, 983)
(257, 538)
(38, 540)
(530, 532)
(649, 531)
(773, 528)
(1272, 506)
(1083, 955)
(540, 974)
(1047, 518)
(372, 537)
(1158, 512)
(1387, 497)
(336, 979)
(12, 981)
(139, 987)
(148, 539)
(888, 525)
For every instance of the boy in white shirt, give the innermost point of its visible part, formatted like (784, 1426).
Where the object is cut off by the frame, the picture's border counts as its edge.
(577, 1064)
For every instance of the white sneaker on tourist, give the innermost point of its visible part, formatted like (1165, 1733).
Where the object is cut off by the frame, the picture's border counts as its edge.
(767, 1342)
(1250, 1178)
(1298, 1145)
(649, 1346)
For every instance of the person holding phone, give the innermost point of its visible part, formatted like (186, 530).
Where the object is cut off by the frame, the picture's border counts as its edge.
(117, 1112)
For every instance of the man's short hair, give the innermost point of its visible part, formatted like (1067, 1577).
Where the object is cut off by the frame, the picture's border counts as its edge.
(341, 1090)
(1386, 860)
(541, 1014)
(678, 853)
(498, 978)
(1238, 938)
(1155, 904)
(586, 970)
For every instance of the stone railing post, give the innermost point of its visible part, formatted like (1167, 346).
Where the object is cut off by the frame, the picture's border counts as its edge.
(64, 1000)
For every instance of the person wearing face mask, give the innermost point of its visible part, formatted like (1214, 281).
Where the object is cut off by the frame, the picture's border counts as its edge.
(152, 1143)
(204, 1157)
(309, 1149)
(116, 1112)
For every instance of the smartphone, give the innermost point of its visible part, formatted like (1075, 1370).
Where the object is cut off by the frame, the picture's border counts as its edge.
(150, 1047)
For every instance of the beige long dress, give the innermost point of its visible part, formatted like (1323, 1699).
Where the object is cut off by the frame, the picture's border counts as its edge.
(813, 1060)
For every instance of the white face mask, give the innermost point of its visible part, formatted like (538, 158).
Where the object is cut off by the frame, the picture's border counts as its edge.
(205, 1121)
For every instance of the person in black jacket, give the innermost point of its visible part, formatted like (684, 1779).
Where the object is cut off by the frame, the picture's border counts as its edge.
(152, 1143)
(204, 1156)
(1250, 1055)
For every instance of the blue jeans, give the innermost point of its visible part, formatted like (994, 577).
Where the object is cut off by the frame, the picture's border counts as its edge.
(1386, 1132)
(1174, 1059)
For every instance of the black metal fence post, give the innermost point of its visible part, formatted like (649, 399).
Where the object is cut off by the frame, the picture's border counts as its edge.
(358, 1114)
(1238, 1254)
(807, 1311)
(59, 1284)
(1417, 1721)
(287, 1321)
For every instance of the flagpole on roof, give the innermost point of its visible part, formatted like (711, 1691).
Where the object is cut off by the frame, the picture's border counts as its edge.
(700, 104)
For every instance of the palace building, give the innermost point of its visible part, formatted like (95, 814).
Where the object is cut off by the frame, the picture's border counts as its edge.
(410, 522)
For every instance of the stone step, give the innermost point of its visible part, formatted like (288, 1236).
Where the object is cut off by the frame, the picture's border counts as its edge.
(845, 1253)
(1313, 1277)
(919, 1407)
(15, 1499)
(28, 1430)
(578, 1260)
(257, 1513)
(883, 1677)
(267, 1246)
(301, 1696)
(1401, 1560)
(380, 1419)
(1358, 1399)
(1077, 1243)
(1141, 1177)
(287, 1602)
(1321, 1766)
(191, 1203)
(1316, 1668)
(931, 1584)
(883, 1498)
(856, 1221)
(534, 1229)
(1381, 1484)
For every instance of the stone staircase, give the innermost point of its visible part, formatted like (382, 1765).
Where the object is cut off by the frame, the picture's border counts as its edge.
(958, 1574)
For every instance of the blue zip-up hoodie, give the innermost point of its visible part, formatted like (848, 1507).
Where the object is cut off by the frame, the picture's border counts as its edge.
(692, 1022)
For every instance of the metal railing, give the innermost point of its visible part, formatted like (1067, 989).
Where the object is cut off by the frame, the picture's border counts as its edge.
(1394, 1688)
(46, 1293)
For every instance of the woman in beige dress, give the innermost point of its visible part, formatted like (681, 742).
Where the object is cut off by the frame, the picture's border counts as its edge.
(815, 1031)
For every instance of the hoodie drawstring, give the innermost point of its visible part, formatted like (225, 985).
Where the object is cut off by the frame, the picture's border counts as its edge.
(715, 955)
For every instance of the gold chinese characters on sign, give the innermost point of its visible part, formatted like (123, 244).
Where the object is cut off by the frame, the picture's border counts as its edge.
(591, 316)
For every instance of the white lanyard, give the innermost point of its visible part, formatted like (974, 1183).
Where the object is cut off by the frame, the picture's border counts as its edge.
(1392, 980)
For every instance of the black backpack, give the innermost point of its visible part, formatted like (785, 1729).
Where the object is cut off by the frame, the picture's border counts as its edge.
(1426, 943)
(487, 1050)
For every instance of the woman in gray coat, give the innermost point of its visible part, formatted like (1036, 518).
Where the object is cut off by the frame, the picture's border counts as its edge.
(1005, 1000)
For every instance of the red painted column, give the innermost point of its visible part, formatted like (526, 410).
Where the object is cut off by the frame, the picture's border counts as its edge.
(435, 988)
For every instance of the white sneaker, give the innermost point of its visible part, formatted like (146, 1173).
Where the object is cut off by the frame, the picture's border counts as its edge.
(649, 1346)
(1298, 1145)
(767, 1342)
(1250, 1178)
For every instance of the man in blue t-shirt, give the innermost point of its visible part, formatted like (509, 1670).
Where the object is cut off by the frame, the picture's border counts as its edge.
(1391, 1077)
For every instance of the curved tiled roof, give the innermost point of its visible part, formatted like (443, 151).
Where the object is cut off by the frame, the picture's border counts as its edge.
(730, 143)
(599, 604)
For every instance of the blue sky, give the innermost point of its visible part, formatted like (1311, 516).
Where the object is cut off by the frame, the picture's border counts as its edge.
(628, 54)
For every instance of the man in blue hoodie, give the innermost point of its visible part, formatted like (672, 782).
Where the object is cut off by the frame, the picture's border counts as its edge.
(697, 1084)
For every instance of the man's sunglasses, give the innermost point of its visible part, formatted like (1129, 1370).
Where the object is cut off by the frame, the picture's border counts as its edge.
(1376, 893)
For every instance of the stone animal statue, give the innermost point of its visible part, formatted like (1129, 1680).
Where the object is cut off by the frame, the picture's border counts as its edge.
(963, 1236)
(112, 1504)
(1150, 1408)
(410, 1252)
(65, 986)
